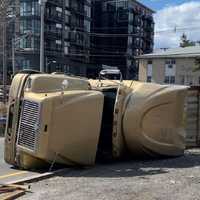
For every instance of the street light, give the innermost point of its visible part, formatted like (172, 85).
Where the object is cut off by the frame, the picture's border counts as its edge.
(4, 38)
(16, 41)
(8, 14)
(42, 13)
(4, 63)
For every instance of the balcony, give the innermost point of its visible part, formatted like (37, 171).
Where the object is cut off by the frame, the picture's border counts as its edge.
(149, 29)
(53, 18)
(56, 3)
(53, 51)
(79, 10)
(53, 34)
(88, 2)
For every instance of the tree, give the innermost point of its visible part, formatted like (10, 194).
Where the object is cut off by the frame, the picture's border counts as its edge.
(5, 13)
(185, 42)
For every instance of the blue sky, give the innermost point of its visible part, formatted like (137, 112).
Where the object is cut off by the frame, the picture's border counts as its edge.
(172, 19)
(160, 4)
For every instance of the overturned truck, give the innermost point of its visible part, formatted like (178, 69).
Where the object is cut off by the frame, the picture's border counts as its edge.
(75, 121)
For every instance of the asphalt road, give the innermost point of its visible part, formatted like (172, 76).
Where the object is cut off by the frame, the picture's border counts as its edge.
(164, 179)
(7, 172)
(5, 169)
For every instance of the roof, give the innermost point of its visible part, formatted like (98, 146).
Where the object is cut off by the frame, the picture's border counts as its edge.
(136, 1)
(186, 52)
(144, 6)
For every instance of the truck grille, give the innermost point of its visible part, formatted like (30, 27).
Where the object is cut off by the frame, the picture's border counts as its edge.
(29, 125)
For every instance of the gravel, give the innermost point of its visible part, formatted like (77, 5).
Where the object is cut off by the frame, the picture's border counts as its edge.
(168, 179)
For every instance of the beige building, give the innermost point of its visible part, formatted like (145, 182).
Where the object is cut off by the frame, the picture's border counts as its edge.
(172, 66)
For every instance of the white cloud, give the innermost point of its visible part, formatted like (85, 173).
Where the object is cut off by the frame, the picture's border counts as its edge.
(181, 16)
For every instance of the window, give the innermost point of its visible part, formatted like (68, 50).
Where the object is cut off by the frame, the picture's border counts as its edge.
(170, 62)
(58, 67)
(67, 16)
(170, 66)
(167, 62)
(173, 62)
(67, 3)
(170, 71)
(166, 79)
(58, 9)
(58, 42)
(28, 25)
(130, 28)
(59, 26)
(29, 8)
(170, 79)
(149, 79)
(149, 73)
(130, 40)
(58, 12)
(182, 80)
(58, 45)
(66, 48)
(87, 11)
(122, 15)
(130, 17)
(27, 43)
(67, 31)
(189, 80)
(26, 64)
(87, 25)
(122, 4)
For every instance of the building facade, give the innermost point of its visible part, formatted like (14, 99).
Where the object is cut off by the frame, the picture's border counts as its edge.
(174, 66)
(67, 40)
(121, 30)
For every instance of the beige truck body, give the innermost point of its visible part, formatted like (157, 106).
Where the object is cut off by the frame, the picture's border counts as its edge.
(73, 121)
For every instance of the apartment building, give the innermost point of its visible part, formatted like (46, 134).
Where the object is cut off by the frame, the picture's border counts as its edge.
(67, 40)
(121, 30)
(172, 66)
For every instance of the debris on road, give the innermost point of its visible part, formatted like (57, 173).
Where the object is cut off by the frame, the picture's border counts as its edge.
(10, 192)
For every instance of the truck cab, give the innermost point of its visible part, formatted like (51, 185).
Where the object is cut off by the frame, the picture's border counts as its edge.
(75, 121)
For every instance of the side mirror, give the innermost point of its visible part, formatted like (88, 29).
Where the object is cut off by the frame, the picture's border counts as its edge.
(105, 72)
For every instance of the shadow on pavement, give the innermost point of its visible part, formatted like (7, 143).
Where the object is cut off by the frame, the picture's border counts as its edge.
(131, 168)
(137, 167)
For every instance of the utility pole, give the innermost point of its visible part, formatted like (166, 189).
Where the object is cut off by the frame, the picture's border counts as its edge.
(13, 56)
(42, 13)
(13, 48)
(4, 62)
(5, 14)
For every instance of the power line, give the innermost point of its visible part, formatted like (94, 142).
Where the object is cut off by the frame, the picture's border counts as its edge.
(159, 32)
(98, 55)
